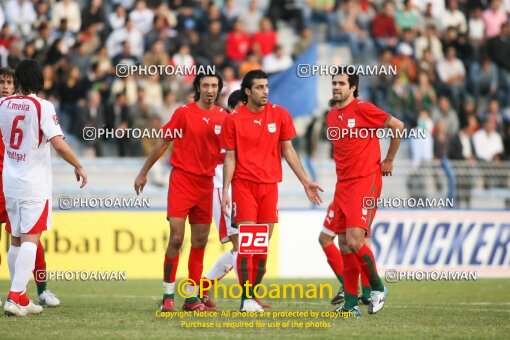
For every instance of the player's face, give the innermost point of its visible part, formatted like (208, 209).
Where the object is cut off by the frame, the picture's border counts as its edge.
(209, 89)
(259, 92)
(6, 86)
(341, 89)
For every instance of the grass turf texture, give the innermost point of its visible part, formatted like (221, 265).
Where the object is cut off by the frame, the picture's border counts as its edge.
(479, 309)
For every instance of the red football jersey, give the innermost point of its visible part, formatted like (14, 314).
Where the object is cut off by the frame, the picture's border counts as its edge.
(256, 139)
(198, 151)
(356, 157)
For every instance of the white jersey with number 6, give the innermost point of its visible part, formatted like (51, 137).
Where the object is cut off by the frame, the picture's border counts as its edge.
(27, 124)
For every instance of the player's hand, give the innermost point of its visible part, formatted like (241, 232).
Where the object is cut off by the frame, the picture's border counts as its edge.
(312, 191)
(387, 167)
(225, 204)
(140, 182)
(81, 174)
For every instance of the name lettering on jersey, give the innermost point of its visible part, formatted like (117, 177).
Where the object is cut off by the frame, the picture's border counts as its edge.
(206, 120)
(271, 127)
(19, 107)
(18, 157)
(217, 129)
(351, 122)
(258, 121)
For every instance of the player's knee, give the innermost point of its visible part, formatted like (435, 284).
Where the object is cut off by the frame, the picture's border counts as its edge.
(176, 241)
(354, 245)
(325, 240)
(199, 243)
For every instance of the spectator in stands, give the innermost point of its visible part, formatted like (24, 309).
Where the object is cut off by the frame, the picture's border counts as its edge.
(153, 93)
(407, 17)
(406, 66)
(488, 143)
(441, 149)
(170, 104)
(80, 58)
(127, 33)
(476, 29)
(157, 55)
(237, 43)
(277, 61)
(91, 115)
(494, 17)
(424, 94)
(494, 112)
(140, 115)
(304, 42)
(213, 43)
(160, 30)
(422, 152)
(445, 112)
(452, 75)
(67, 9)
(71, 90)
(499, 50)
(263, 42)
(429, 18)
(117, 117)
(230, 12)
(252, 62)
(125, 57)
(117, 19)
(20, 15)
(94, 14)
(453, 17)
(384, 28)
(142, 17)
(287, 10)
(186, 19)
(429, 41)
(66, 36)
(483, 80)
(251, 17)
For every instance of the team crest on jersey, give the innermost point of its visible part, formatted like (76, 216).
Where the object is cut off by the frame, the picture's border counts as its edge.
(217, 129)
(351, 122)
(331, 214)
(271, 127)
(55, 119)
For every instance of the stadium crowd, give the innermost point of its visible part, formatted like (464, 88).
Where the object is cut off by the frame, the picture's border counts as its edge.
(452, 57)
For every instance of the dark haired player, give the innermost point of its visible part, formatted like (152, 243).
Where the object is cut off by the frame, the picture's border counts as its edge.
(27, 124)
(225, 229)
(256, 136)
(45, 296)
(194, 158)
(359, 175)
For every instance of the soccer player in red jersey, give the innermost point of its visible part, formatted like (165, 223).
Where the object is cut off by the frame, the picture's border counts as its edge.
(256, 136)
(359, 178)
(45, 296)
(190, 194)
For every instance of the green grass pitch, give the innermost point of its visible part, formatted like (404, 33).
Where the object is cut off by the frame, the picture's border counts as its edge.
(479, 309)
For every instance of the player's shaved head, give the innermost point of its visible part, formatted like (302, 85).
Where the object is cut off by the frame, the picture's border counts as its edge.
(28, 77)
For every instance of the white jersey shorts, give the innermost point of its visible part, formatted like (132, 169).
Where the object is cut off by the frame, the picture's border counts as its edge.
(222, 222)
(27, 216)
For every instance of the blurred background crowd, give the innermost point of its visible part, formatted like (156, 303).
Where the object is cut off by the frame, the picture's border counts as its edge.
(452, 59)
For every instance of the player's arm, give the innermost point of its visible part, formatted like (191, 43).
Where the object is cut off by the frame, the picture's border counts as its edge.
(312, 189)
(387, 164)
(156, 153)
(229, 165)
(68, 155)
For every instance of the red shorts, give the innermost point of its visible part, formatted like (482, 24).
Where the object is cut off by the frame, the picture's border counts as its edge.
(190, 196)
(257, 202)
(3, 210)
(352, 207)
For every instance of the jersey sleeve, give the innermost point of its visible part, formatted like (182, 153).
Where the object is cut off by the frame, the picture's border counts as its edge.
(228, 134)
(374, 117)
(176, 123)
(288, 131)
(49, 121)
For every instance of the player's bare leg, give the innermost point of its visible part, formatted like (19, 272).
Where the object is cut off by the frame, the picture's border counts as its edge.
(222, 267)
(199, 236)
(335, 261)
(171, 262)
(44, 295)
(20, 269)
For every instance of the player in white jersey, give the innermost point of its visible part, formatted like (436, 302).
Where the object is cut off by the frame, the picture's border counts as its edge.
(28, 125)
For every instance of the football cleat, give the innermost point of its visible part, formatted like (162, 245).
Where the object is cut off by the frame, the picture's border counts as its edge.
(32, 308)
(250, 305)
(14, 309)
(197, 305)
(167, 305)
(363, 300)
(206, 300)
(339, 298)
(49, 299)
(262, 304)
(353, 312)
(377, 301)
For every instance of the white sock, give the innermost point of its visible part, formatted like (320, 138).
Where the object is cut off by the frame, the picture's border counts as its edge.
(234, 262)
(12, 255)
(25, 264)
(221, 267)
(192, 290)
(168, 287)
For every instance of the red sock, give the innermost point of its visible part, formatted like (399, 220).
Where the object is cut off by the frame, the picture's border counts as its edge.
(170, 268)
(335, 260)
(23, 299)
(259, 268)
(196, 264)
(351, 277)
(367, 262)
(14, 296)
(245, 270)
(40, 265)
